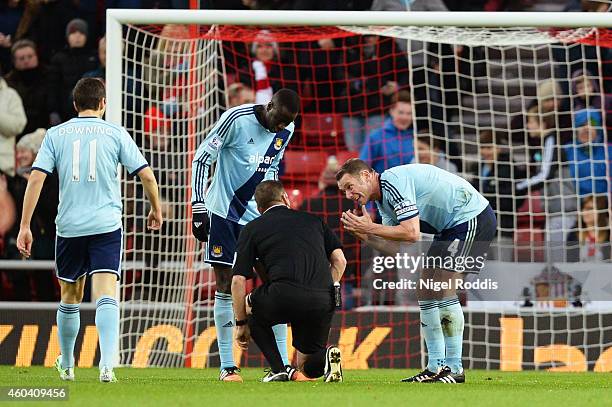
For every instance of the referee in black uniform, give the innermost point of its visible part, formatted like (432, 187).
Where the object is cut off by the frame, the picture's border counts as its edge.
(300, 261)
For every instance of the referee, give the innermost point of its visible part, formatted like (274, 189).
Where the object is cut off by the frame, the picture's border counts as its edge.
(300, 261)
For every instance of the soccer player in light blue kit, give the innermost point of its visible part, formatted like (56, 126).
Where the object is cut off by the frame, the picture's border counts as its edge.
(247, 144)
(85, 152)
(420, 197)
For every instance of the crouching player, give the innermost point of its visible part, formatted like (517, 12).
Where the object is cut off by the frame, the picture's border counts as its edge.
(420, 197)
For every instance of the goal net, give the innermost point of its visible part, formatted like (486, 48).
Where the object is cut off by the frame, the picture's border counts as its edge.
(520, 112)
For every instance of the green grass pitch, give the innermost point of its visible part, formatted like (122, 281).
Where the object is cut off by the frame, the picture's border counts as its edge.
(372, 388)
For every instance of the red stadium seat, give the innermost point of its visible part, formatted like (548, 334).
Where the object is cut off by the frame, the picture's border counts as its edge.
(304, 165)
(342, 156)
(531, 212)
(296, 196)
(322, 129)
(529, 245)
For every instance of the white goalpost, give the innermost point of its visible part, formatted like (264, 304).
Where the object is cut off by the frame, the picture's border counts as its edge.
(476, 79)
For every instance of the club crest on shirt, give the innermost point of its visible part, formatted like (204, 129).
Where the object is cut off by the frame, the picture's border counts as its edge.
(278, 143)
(217, 251)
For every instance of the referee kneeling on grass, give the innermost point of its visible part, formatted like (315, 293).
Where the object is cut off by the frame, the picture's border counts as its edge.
(300, 261)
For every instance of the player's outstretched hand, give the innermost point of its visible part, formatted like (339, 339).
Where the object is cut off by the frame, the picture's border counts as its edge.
(355, 223)
(243, 336)
(200, 226)
(155, 219)
(24, 242)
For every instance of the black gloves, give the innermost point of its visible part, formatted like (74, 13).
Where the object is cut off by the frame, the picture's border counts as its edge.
(200, 223)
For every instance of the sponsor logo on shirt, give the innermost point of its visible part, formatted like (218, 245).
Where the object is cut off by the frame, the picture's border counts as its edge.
(261, 159)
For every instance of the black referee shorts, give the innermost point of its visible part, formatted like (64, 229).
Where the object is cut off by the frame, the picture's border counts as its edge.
(309, 312)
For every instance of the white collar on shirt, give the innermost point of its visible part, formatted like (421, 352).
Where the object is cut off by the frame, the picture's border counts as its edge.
(274, 206)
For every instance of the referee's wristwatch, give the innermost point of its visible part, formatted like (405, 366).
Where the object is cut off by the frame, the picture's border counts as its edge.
(241, 322)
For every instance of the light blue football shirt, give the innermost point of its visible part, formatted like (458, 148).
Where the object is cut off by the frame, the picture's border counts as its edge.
(245, 153)
(86, 151)
(441, 200)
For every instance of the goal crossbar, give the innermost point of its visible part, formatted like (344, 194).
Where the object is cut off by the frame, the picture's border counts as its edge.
(318, 18)
(116, 17)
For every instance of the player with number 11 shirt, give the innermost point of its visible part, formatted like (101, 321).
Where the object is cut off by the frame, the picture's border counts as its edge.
(85, 152)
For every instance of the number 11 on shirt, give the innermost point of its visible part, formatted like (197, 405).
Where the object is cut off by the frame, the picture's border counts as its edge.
(76, 161)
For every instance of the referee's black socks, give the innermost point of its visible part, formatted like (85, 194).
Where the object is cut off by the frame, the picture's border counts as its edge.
(314, 366)
(265, 340)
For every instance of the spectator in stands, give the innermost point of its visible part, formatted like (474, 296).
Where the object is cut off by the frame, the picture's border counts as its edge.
(49, 19)
(166, 79)
(495, 179)
(429, 151)
(371, 71)
(270, 69)
(30, 80)
(239, 94)
(549, 173)
(161, 154)
(589, 57)
(329, 205)
(10, 15)
(100, 71)
(393, 143)
(597, 6)
(586, 155)
(591, 243)
(67, 67)
(554, 106)
(553, 103)
(43, 220)
(8, 211)
(264, 51)
(164, 158)
(42, 225)
(433, 69)
(585, 93)
(508, 5)
(12, 122)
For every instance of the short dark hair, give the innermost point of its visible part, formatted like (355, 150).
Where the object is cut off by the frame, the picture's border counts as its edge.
(88, 93)
(426, 138)
(403, 96)
(288, 99)
(488, 136)
(352, 166)
(268, 192)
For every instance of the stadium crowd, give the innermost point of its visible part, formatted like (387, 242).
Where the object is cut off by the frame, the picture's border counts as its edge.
(46, 47)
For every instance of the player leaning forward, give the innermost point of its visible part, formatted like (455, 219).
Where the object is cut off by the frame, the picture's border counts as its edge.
(417, 198)
(247, 144)
(85, 152)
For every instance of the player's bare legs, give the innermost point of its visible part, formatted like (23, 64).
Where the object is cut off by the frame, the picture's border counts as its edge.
(68, 324)
(104, 289)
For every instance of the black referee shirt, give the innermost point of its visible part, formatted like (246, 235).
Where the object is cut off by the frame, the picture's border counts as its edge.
(292, 246)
